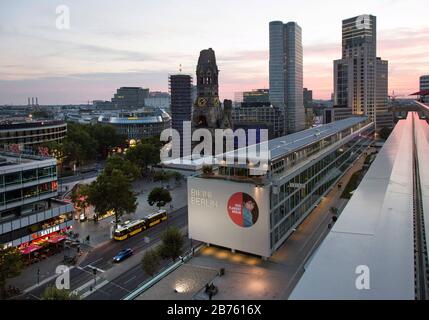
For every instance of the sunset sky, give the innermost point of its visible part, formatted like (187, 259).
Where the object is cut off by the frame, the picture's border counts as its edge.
(114, 43)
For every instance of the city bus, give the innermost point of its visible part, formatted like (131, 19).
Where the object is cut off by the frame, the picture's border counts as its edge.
(132, 228)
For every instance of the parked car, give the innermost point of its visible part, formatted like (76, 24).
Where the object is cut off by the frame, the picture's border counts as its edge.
(122, 255)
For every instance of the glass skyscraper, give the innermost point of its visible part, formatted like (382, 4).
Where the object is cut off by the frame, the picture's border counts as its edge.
(286, 73)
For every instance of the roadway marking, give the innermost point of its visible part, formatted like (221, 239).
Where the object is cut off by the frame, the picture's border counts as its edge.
(98, 260)
(92, 267)
(44, 281)
(97, 287)
(131, 279)
(85, 285)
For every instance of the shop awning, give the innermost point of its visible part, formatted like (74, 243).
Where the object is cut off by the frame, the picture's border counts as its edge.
(31, 248)
(57, 239)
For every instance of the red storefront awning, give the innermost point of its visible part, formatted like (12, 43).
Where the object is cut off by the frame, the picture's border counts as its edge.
(56, 239)
(31, 248)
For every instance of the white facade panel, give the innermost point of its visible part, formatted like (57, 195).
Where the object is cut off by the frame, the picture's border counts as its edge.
(214, 211)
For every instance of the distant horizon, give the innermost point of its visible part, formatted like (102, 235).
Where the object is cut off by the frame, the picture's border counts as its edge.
(114, 44)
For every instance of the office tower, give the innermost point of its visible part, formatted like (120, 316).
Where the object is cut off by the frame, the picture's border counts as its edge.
(384, 117)
(286, 72)
(130, 97)
(355, 74)
(308, 98)
(181, 107)
(424, 85)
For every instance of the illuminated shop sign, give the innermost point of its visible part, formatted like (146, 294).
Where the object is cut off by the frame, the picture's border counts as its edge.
(49, 231)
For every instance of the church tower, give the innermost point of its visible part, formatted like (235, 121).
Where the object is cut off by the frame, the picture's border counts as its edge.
(207, 108)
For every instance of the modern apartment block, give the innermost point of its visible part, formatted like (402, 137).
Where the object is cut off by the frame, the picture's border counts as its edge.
(28, 211)
(254, 207)
(181, 106)
(286, 72)
(358, 73)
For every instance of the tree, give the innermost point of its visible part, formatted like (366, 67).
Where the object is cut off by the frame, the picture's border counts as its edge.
(150, 262)
(178, 177)
(112, 192)
(159, 197)
(79, 197)
(52, 293)
(144, 155)
(124, 165)
(11, 265)
(161, 176)
(107, 138)
(207, 169)
(172, 244)
(79, 146)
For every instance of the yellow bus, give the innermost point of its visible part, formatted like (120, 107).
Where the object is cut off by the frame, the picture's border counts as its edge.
(132, 228)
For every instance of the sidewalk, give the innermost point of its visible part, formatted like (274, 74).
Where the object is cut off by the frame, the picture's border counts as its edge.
(47, 267)
(99, 232)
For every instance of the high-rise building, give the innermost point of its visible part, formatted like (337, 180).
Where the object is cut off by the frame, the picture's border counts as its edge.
(181, 107)
(424, 85)
(130, 97)
(356, 75)
(384, 117)
(308, 98)
(286, 72)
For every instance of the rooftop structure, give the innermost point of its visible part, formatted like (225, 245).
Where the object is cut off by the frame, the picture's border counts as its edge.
(376, 230)
(254, 207)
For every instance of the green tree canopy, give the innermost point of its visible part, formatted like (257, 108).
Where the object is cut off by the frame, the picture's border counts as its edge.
(172, 244)
(11, 265)
(112, 192)
(79, 196)
(52, 293)
(144, 155)
(159, 197)
(151, 262)
(124, 165)
(107, 138)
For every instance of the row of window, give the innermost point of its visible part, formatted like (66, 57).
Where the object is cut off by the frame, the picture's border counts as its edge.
(28, 192)
(299, 194)
(27, 176)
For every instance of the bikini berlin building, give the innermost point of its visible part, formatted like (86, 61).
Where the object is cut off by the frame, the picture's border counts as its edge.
(254, 209)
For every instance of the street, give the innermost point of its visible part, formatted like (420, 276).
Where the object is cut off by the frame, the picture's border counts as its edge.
(82, 276)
